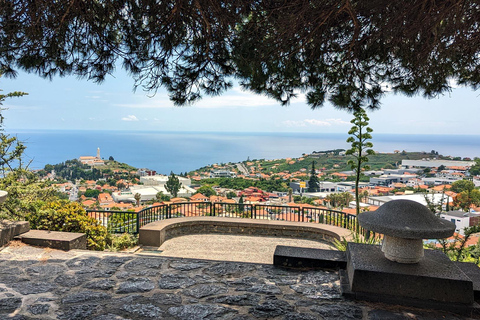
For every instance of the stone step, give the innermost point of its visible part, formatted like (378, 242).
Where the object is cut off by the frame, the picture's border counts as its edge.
(473, 272)
(55, 239)
(296, 257)
(10, 229)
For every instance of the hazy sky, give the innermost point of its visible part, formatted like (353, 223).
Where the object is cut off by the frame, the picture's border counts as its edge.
(69, 103)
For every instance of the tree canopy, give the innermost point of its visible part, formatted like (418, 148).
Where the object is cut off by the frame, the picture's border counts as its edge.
(313, 182)
(173, 185)
(207, 191)
(348, 52)
(462, 185)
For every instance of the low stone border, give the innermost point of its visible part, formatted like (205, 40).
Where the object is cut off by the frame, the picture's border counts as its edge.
(55, 239)
(10, 229)
(156, 233)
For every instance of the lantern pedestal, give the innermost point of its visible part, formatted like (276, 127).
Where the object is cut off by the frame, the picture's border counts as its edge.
(434, 281)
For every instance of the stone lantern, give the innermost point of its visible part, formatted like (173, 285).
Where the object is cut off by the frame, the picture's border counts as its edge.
(409, 275)
(404, 224)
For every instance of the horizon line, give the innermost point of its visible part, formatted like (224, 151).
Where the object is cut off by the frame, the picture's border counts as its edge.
(233, 132)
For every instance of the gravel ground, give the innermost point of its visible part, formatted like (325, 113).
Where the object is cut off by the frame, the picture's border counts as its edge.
(231, 247)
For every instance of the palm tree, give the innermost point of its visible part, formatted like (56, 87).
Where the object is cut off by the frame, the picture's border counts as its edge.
(365, 195)
(137, 197)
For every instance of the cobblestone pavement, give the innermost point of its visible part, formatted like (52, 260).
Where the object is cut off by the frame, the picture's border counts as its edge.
(37, 283)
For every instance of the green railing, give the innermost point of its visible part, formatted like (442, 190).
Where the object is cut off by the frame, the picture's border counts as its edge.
(131, 222)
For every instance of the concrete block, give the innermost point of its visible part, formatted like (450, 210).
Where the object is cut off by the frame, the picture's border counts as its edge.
(10, 229)
(296, 257)
(434, 278)
(55, 239)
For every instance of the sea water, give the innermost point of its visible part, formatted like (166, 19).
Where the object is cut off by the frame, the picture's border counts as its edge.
(186, 151)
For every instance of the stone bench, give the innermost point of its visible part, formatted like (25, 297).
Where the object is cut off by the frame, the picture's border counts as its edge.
(156, 233)
(55, 239)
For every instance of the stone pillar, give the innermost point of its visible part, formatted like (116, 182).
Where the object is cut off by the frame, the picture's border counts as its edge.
(402, 250)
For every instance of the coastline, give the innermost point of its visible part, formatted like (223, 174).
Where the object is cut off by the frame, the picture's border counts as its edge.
(167, 151)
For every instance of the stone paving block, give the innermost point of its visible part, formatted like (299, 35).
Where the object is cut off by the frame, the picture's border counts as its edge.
(55, 239)
(184, 289)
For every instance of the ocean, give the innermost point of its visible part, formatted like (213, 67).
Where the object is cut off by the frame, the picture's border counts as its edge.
(186, 151)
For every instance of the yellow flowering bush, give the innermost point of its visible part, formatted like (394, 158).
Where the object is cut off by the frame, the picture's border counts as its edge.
(63, 215)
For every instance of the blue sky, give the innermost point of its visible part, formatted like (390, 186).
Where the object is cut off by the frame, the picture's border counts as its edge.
(69, 103)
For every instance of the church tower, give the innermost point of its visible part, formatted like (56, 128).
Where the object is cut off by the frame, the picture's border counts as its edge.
(98, 153)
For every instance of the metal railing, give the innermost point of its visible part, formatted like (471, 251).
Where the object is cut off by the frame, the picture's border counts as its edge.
(117, 221)
(131, 222)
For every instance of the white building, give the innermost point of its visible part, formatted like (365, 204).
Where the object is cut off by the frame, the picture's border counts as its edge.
(222, 174)
(436, 181)
(461, 219)
(435, 198)
(387, 180)
(148, 193)
(435, 163)
(346, 186)
(160, 180)
(92, 161)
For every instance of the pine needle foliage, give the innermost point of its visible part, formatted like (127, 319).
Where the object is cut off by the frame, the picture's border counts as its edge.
(346, 52)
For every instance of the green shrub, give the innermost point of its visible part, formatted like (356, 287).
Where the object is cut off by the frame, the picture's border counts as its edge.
(124, 241)
(68, 216)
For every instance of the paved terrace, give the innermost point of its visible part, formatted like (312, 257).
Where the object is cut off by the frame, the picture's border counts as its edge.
(39, 283)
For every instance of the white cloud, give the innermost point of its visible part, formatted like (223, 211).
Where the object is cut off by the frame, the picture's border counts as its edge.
(233, 98)
(328, 122)
(150, 103)
(319, 123)
(315, 122)
(130, 118)
(237, 97)
(292, 123)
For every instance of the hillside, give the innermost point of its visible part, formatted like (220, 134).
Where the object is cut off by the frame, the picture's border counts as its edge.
(74, 169)
(327, 162)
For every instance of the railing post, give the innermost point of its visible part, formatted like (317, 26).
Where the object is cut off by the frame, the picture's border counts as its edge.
(303, 214)
(254, 211)
(138, 222)
(213, 209)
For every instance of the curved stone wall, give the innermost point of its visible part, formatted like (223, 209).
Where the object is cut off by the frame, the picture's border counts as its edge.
(156, 233)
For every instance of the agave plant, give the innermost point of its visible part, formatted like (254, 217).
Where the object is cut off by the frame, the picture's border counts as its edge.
(341, 245)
